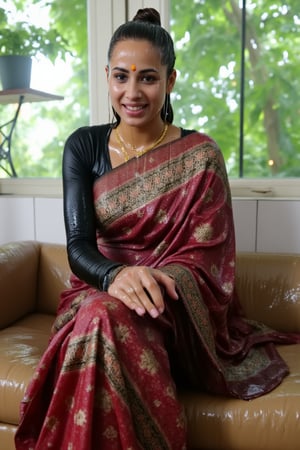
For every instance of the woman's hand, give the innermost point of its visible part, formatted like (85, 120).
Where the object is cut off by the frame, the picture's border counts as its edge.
(140, 289)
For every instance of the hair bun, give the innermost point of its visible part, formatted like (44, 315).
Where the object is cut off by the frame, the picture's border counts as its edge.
(149, 15)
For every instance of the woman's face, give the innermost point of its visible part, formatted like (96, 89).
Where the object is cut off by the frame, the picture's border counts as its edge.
(138, 82)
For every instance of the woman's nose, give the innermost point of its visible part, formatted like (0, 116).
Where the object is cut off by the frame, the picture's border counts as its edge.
(132, 89)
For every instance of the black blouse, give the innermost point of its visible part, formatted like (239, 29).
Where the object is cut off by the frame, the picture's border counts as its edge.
(86, 158)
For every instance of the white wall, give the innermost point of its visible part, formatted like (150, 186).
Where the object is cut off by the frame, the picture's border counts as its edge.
(261, 225)
(31, 218)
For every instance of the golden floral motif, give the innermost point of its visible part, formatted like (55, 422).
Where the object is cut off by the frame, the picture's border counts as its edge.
(157, 403)
(111, 306)
(208, 196)
(51, 422)
(170, 392)
(203, 233)
(127, 231)
(148, 362)
(80, 418)
(103, 400)
(227, 287)
(122, 333)
(89, 388)
(161, 216)
(214, 271)
(110, 433)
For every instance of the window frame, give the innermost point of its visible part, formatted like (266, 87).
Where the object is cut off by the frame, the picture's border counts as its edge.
(102, 20)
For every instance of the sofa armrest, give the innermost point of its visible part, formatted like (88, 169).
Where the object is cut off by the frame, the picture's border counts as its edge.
(54, 276)
(18, 280)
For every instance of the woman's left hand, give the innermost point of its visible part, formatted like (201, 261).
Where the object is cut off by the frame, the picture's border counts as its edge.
(141, 288)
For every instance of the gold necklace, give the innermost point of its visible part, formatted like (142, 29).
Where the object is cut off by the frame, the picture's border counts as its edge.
(145, 150)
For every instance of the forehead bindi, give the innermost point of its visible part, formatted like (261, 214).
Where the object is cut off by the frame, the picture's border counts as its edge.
(135, 56)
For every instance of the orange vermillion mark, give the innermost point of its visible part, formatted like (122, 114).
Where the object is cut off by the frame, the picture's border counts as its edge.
(133, 67)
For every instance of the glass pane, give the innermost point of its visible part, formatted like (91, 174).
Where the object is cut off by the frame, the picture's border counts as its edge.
(208, 93)
(272, 86)
(42, 128)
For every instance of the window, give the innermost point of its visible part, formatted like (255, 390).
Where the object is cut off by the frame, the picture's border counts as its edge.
(42, 128)
(215, 92)
(238, 81)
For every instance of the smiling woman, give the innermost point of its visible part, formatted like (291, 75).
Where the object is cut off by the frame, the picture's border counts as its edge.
(152, 303)
(139, 96)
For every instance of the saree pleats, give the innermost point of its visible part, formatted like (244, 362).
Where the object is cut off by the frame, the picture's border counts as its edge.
(113, 388)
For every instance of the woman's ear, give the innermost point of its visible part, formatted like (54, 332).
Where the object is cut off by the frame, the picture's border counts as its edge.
(107, 71)
(171, 81)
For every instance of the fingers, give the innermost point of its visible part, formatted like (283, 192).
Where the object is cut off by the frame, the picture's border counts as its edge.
(139, 288)
(137, 299)
(167, 282)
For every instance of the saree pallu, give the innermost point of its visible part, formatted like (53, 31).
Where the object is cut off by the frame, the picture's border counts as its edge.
(172, 210)
(107, 379)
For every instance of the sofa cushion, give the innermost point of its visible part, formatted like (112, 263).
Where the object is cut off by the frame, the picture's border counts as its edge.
(21, 347)
(268, 422)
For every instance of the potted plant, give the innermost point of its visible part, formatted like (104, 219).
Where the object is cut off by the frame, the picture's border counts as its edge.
(18, 44)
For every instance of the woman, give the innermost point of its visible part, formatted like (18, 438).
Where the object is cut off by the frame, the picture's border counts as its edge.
(150, 240)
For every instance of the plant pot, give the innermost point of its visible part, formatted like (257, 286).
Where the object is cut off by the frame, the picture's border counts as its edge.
(15, 71)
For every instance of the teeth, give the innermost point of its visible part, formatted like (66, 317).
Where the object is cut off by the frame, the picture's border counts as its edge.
(134, 108)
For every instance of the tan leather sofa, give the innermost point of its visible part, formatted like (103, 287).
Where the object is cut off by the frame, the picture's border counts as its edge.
(33, 274)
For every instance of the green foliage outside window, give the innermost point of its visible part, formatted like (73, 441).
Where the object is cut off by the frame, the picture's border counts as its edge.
(208, 90)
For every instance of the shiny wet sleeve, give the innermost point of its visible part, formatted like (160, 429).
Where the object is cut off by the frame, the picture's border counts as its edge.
(84, 160)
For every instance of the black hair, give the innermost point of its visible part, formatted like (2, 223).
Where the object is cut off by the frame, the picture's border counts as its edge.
(146, 25)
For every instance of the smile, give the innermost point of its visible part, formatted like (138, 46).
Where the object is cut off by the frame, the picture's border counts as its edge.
(134, 108)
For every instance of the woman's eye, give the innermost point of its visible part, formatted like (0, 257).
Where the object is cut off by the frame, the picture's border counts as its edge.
(120, 76)
(148, 79)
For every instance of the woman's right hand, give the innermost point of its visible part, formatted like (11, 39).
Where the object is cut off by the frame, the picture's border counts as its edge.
(141, 288)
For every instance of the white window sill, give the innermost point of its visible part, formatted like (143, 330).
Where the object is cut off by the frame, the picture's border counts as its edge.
(240, 188)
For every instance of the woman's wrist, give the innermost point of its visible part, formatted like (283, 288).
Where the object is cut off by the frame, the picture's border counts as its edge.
(110, 276)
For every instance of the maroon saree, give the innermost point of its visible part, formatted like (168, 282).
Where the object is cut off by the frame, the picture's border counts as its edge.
(108, 378)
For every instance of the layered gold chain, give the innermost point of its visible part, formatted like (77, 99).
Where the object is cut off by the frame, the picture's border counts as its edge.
(138, 153)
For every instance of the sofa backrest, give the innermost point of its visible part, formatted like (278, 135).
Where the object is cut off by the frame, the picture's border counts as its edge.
(268, 285)
(19, 262)
(54, 274)
(269, 289)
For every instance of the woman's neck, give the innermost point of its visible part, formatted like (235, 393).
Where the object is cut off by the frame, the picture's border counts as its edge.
(137, 138)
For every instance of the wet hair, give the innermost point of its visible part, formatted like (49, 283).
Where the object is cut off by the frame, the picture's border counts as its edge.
(146, 25)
